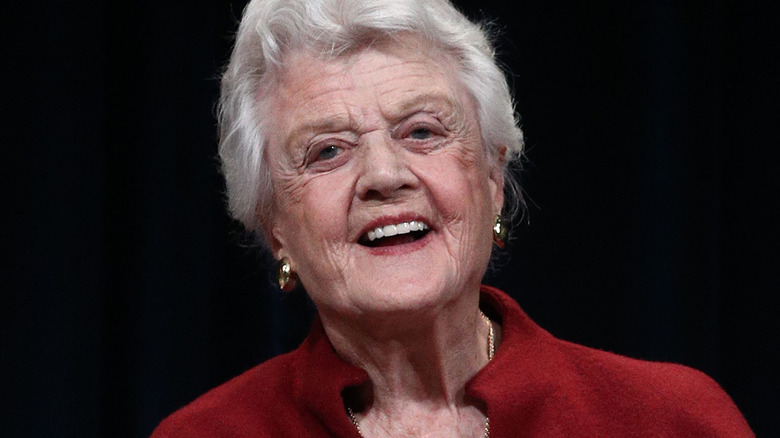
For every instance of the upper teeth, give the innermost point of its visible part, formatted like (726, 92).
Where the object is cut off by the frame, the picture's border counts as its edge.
(392, 230)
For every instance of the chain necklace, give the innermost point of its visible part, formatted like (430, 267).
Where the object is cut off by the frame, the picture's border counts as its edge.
(491, 352)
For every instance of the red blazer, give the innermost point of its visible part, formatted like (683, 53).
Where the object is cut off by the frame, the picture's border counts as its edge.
(535, 386)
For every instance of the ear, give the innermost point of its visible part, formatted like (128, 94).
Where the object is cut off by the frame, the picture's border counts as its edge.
(497, 179)
(274, 236)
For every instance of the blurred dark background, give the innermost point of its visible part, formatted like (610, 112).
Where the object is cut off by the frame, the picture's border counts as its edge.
(650, 180)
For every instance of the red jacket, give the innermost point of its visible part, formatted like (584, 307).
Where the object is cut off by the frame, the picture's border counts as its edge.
(536, 386)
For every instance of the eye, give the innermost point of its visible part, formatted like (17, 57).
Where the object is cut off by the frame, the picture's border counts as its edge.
(328, 152)
(327, 155)
(421, 134)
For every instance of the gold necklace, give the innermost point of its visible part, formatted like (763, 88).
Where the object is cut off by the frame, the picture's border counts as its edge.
(491, 353)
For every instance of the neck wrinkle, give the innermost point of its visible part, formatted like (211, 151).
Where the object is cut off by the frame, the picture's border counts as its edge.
(426, 361)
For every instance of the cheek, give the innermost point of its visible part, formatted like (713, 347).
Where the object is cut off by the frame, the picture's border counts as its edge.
(459, 189)
(459, 184)
(318, 211)
(289, 194)
(460, 194)
(321, 238)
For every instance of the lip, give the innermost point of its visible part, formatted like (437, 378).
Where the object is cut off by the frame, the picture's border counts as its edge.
(392, 220)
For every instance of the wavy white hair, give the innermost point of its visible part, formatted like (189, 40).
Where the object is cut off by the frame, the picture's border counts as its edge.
(270, 29)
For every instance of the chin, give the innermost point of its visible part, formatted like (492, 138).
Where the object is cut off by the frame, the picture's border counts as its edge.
(412, 293)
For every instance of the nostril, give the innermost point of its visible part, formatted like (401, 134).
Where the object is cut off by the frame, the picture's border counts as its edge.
(374, 195)
(385, 192)
(383, 184)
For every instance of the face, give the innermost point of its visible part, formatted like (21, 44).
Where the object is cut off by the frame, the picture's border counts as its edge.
(380, 142)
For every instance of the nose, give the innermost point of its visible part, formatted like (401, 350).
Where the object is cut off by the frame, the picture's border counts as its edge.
(384, 169)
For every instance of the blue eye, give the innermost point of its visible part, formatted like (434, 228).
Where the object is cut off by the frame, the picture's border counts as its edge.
(420, 134)
(328, 152)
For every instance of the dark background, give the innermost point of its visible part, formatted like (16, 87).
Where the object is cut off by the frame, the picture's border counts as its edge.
(650, 179)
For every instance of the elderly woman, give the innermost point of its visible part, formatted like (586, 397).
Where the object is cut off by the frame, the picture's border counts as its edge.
(368, 143)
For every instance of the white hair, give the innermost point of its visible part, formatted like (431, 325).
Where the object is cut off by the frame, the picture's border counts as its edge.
(270, 29)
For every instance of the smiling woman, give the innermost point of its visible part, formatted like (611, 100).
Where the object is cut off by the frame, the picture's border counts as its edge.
(404, 145)
(368, 143)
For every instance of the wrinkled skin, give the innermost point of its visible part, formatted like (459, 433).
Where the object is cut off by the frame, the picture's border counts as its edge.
(383, 133)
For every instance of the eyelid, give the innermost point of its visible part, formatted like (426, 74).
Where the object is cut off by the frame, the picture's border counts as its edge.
(311, 157)
(435, 128)
(424, 120)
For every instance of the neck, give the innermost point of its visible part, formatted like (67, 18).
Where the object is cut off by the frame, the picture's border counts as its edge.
(417, 362)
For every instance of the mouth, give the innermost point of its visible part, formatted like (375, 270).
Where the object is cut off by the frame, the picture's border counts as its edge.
(395, 234)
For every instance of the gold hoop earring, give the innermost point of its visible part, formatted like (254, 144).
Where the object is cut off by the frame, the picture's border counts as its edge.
(500, 232)
(285, 275)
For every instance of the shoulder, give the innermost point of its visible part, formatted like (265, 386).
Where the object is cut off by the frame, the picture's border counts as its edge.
(295, 394)
(655, 395)
(560, 386)
(635, 375)
(239, 407)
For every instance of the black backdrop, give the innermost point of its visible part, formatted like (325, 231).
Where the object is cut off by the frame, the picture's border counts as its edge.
(650, 180)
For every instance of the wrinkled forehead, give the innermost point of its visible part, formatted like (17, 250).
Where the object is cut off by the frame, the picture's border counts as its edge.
(401, 44)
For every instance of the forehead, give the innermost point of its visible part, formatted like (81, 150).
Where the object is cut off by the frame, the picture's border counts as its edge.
(390, 76)
(405, 55)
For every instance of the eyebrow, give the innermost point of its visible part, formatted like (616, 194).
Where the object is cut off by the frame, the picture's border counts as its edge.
(334, 123)
(396, 112)
(329, 124)
(422, 101)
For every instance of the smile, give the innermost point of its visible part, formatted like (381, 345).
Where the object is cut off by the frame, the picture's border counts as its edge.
(395, 234)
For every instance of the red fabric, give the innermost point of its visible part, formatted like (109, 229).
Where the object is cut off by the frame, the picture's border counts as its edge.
(536, 385)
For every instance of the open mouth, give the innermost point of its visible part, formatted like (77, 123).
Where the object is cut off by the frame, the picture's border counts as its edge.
(397, 234)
